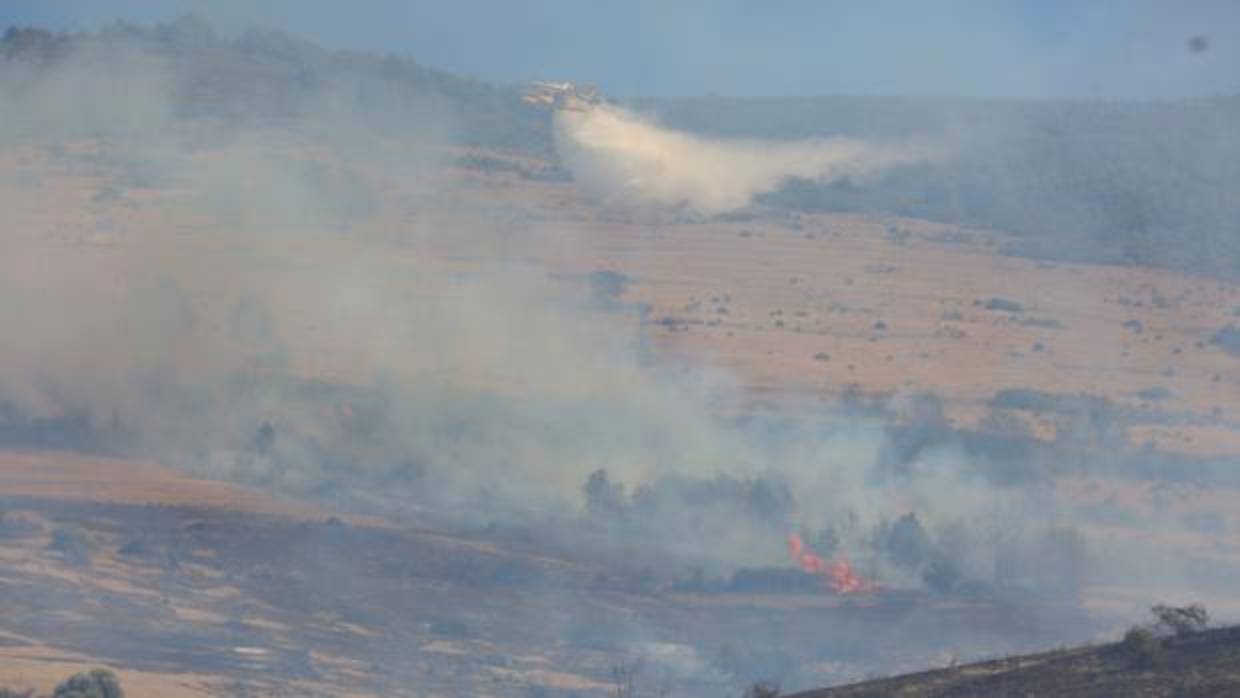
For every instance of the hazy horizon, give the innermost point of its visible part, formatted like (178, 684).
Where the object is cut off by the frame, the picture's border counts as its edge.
(742, 48)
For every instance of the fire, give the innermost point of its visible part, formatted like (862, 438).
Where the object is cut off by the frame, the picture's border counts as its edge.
(839, 574)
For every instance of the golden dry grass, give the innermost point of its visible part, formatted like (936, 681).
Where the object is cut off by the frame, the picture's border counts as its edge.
(39, 667)
(765, 299)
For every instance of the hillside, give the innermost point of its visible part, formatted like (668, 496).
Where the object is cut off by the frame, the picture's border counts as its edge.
(300, 413)
(1132, 183)
(1120, 183)
(188, 587)
(322, 375)
(269, 77)
(1202, 664)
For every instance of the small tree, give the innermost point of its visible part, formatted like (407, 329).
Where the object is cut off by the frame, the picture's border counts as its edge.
(602, 495)
(98, 683)
(762, 689)
(1180, 620)
(1144, 648)
(907, 543)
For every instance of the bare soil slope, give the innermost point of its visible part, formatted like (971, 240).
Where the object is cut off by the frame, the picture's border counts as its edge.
(1201, 665)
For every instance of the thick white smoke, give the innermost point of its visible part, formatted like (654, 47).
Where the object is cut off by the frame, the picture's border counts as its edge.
(627, 161)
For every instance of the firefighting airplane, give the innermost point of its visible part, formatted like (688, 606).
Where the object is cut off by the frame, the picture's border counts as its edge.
(562, 95)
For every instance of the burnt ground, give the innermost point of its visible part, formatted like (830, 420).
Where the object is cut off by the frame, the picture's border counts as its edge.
(1202, 664)
(273, 604)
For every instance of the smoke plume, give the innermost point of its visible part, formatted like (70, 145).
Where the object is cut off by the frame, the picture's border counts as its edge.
(628, 161)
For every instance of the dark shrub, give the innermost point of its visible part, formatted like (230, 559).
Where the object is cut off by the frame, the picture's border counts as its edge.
(762, 689)
(1004, 305)
(907, 543)
(604, 497)
(98, 683)
(1048, 323)
(134, 548)
(1143, 647)
(1155, 392)
(1180, 620)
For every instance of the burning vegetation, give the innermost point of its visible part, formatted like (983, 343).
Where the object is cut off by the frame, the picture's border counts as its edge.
(838, 574)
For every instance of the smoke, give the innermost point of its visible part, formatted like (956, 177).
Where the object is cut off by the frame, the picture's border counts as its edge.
(280, 301)
(274, 299)
(73, 97)
(232, 295)
(627, 161)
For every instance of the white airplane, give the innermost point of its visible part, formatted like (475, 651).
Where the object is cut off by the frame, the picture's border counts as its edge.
(562, 95)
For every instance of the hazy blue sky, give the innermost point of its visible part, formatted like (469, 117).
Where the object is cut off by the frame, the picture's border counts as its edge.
(1027, 48)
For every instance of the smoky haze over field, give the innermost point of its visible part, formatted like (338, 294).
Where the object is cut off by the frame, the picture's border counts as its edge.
(239, 303)
(505, 382)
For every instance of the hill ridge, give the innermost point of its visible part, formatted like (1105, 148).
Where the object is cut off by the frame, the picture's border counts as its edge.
(1197, 664)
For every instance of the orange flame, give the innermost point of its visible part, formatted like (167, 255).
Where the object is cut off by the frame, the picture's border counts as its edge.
(839, 574)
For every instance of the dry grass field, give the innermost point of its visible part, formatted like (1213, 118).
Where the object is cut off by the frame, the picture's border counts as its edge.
(794, 310)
